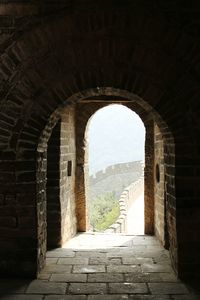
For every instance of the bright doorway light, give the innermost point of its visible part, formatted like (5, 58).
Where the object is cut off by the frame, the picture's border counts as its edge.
(116, 138)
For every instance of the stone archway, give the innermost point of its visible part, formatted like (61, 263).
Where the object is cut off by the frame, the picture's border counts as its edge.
(138, 47)
(85, 104)
(86, 107)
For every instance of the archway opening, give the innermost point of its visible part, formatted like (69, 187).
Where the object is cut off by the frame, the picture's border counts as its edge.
(115, 137)
(159, 187)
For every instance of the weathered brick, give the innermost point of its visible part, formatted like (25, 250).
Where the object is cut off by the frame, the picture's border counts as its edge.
(43, 287)
(128, 288)
(87, 288)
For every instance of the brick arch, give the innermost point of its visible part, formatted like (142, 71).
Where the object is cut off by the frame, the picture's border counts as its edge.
(83, 112)
(135, 51)
(147, 68)
(158, 136)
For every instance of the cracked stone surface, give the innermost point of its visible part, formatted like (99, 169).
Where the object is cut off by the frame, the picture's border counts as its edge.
(95, 266)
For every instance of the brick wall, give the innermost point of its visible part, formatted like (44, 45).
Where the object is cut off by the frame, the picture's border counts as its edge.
(67, 174)
(61, 161)
(150, 56)
(54, 236)
(159, 203)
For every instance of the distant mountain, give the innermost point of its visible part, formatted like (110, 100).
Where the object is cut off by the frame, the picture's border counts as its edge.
(115, 134)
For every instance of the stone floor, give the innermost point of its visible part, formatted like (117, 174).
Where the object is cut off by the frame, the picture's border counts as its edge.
(103, 266)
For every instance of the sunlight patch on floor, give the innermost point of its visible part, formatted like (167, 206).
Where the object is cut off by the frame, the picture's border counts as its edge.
(98, 241)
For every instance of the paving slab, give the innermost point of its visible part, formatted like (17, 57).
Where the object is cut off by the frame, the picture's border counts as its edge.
(105, 261)
(43, 287)
(147, 241)
(163, 277)
(149, 297)
(105, 277)
(150, 277)
(87, 288)
(66, 297)
(21, 297)
(137, 277)
(165, 268)
(123, 268)
(55, 268)
(87, 254)
(89, 269)
(68, 277)
(136, 260)
(128, 288)
(134, 268)
(185, 297)
(73, 261)
(60, 253)
(51, 260)
(168, 288)
(108, 297)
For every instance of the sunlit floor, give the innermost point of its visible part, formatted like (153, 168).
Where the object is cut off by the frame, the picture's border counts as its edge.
(135, 217)
(94, 266)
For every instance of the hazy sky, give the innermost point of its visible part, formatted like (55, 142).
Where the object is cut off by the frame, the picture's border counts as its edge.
(115, 134)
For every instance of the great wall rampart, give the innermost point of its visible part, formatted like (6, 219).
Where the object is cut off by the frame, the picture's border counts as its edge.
(127, 181)
(121, 168)
(128, 196)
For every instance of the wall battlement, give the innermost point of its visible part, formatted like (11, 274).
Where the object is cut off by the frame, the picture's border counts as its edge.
(128, 196)
(121, 168)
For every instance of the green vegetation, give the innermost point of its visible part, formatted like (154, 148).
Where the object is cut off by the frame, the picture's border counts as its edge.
(104, 210)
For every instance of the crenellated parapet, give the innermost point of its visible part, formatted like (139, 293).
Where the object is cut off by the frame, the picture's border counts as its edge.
(128, 196)
(121, 168)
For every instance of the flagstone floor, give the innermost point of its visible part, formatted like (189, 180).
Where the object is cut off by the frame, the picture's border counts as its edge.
(95, 266)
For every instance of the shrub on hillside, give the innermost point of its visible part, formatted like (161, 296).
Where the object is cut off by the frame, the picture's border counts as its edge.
(104, 210)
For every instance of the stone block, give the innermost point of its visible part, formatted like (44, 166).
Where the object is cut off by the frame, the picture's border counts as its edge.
(165, 268)
(108, 297)
(123, 269)
(128, 288)
(89, 269)
(95, 254)
(105, 277)
(21, 297)
(87, 288)
(66, 297)
(73, 261)
(68, 277)
(149, 297)
(44, 287)
(57, 269)
(60, 253)
(105, 261)
(136, 261)
(186, 297)
(168, 288)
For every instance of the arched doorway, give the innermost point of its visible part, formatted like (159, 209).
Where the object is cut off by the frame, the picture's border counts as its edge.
(115, 138)
(156, 174)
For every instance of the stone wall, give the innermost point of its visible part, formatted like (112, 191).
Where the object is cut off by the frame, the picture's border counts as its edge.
(61, 217)
(128, 196)
(53, 189)
(114, 178)
(67, 175)
(159, 202)
(56, 183)
(144, 54)
(120, 168)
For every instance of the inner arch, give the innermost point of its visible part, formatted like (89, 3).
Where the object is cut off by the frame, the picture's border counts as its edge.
(115, 139)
